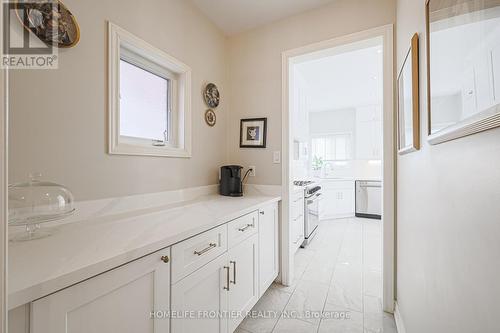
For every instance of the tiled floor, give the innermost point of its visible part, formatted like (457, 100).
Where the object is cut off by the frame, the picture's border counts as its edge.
(338, 275)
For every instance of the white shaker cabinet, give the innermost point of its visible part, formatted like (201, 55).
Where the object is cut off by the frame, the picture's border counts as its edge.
(243, 290)
(121, 300)
(203, 291)
(338, 199)
(369, 133)
(268, 246)
(297, 220)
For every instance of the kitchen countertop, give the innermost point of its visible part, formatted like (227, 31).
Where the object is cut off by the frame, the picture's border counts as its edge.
(82, 249)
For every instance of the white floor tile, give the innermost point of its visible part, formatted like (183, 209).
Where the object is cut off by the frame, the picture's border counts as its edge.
(294, 326)
(307, 299)
(352, 324)
(266, 313)
(338, 274)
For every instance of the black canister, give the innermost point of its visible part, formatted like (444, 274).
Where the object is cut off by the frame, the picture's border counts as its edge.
(230, 181)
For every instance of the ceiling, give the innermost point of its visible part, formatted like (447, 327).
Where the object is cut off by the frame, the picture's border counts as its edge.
(345, 80)
(235, 16)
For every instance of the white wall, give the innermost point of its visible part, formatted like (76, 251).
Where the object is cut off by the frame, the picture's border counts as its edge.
(255, 70)
(58, 117)
(448, 219)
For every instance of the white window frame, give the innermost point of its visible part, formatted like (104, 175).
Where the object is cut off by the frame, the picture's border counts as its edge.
(124, 45)
(349, 151)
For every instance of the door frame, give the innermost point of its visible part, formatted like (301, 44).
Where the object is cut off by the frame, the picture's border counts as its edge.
(3, 189)
(388, 162)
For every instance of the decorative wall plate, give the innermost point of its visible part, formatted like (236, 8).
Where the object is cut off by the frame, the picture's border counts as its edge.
(50, 21)
(211, 95)
(210, 117)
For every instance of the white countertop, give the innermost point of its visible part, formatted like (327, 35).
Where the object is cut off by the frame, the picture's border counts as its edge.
(82, 249)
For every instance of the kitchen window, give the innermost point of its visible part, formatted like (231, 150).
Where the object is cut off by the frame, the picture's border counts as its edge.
(332, 147)
(149, 99)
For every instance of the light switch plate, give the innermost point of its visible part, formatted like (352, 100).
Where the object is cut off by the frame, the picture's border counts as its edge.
(277, 157)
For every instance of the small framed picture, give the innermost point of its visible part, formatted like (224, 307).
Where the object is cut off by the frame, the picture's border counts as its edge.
(408, 102)
(253, 133)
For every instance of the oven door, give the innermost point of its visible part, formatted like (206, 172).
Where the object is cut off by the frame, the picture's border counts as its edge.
(312, 213)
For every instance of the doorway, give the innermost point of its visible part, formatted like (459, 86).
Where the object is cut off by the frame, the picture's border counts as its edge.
(318, 161)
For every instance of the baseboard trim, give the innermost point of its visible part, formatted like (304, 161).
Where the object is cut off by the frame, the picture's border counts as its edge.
(399, 320)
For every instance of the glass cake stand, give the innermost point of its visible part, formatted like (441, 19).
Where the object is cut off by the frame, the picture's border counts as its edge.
(35, 202)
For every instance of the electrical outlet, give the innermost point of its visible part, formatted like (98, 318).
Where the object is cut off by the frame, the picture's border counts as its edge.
(253, 172)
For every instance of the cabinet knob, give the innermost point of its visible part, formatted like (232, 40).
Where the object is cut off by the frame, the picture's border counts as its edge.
(261, 212)
(165, 259)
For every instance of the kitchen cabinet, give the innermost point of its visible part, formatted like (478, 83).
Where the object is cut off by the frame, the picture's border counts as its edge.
(297, 220)
(268, 246)
(368, 133)
(204, 283)
(243, 290)
(121, 300)
(204, 291)
(338, 199)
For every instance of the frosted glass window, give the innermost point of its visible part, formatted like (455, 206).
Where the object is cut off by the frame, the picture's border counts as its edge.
(333, 147)
(144, 100)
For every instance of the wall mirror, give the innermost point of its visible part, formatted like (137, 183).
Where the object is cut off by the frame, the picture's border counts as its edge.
(463, 57)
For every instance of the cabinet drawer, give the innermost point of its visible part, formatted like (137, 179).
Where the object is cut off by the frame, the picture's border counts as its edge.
(242, 228)
(193, 253)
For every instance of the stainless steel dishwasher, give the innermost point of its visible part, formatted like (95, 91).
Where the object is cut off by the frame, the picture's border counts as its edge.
(369, 199)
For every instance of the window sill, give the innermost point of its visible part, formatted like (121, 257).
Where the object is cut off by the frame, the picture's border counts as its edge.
(161, 151)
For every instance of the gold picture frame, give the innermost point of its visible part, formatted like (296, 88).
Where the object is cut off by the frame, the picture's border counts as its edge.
(408, 101)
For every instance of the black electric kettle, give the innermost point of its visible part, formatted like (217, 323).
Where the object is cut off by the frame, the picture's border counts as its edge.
(230, 181)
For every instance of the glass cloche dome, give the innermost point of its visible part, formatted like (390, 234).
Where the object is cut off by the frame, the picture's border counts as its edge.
(35, 202)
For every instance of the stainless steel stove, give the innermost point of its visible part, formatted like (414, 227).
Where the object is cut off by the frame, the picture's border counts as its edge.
(302, 182)
(312, 195)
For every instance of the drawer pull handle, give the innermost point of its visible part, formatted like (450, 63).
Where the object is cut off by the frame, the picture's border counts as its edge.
(165, 259)
(245, 227)
(208, 248)
(227, 278)
(234, 272)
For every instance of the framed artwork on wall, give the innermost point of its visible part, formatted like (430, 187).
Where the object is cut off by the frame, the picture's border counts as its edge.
(463, 67)
(253, 133)
(408, 101)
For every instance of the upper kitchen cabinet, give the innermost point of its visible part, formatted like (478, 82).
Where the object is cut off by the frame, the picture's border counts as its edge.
(300, 112)
(369, 133)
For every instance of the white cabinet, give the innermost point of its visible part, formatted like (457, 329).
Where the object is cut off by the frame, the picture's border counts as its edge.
(243, 290)
(121, 300)
(369, 133)
(338, 199)
(227, 285)
(205, 283)
(268, 246)
(297, 220)
(203, 292)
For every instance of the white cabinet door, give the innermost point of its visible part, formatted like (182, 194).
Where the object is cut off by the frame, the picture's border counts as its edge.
(268, 246)
(202, 292)
(297, 221)
(338, 199)
(345, 202)
(121, 300)
(244, 280)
